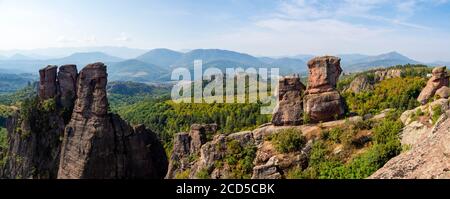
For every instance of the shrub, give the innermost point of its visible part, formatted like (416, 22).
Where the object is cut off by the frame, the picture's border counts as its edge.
(288, 140)
(239, 159)
(49, 105)
(387, 131)
(183, 175)
(3, 139)
(437, 112)
(335, 134)
(203, 174)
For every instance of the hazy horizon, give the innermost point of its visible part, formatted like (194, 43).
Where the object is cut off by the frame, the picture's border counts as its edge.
(88, 49)
(415, 28)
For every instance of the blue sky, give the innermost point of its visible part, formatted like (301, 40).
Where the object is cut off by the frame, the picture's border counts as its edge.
(417, 28)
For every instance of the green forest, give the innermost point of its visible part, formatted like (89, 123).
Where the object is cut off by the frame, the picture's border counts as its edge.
(141, 104)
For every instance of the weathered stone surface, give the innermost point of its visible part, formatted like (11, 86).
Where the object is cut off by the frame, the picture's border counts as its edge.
(187, 146)
(439, 79)
(270, 164)
(360, 83)
(101, 145)
(322, 102)
(428, 159)
(67, 81)
(324, 106)
(47, 82)
(443, 92)
(198, 136)
(324, 73)
(34, 137)
(381, 75)
(289, 109)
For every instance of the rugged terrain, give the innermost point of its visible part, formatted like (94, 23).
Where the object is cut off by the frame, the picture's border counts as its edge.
(67, 132)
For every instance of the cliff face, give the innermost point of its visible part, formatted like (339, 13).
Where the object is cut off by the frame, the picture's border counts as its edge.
(35, 132)
(101, 145)
(428, 159)
(428, 140)
(67, 132)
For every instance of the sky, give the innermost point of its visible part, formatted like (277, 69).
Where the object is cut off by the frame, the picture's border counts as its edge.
(416, 28)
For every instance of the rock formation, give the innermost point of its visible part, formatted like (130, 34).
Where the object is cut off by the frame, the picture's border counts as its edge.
(381, 75)
(270, 164)
(439, 79)
(428, 159)
(35, 132)
(94, 143)
(48, 82)
(188, 145)
(101, 145)
(67, 82)
(290, 107)
(360, 83)
(322, 101)
(443, 92)
(428, 141)
(324, 73)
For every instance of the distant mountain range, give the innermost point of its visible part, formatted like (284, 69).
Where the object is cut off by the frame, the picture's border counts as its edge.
(156, 65)
(53, 53)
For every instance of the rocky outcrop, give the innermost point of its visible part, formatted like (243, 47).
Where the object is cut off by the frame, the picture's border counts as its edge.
(322, 101)
(360, 83)
(381, 75)
(97, 144)
(47, 140)
(35, 132)
(428, 142)
(290, 107)
(439, 79)
(418, 122)
(428, 159)
(270, 164)
(67, 82)
(218, 157)
(443, 92)
(187, 146)
(324, 73)
(47, 82)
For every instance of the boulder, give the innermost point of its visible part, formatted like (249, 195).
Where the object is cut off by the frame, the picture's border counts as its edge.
(439, 79)
(324, 73)
(289, 110)
(324, 106)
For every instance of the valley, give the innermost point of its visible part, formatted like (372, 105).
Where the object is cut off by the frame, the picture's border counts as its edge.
(204, 141)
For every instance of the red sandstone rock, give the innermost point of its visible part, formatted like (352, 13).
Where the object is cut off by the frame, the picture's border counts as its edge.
(324, 73)
(439, 79)
(322, 102)
(290, 109)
